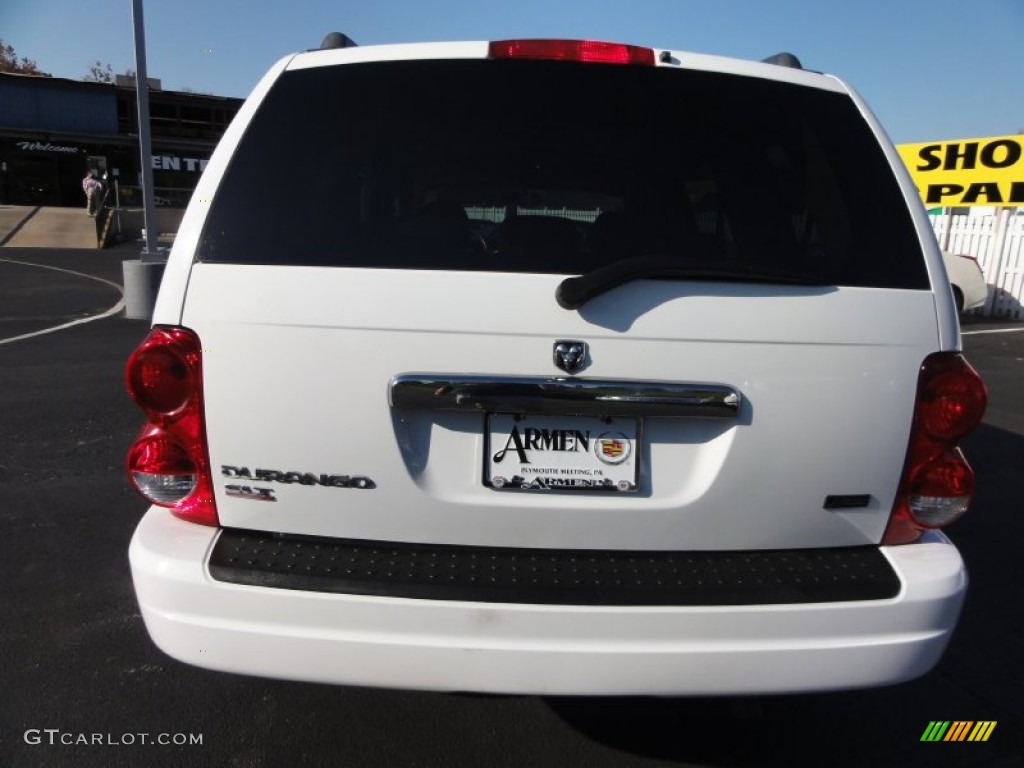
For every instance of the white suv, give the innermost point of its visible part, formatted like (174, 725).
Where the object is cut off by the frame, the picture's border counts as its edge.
(553, 367)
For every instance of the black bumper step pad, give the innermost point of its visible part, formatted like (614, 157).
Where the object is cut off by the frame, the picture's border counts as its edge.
(551, 576)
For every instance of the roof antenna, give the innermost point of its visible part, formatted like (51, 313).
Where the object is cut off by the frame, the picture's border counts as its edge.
(337, 40)
(784, 59)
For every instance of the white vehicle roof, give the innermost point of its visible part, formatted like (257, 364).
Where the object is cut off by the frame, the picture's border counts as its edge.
(478, 50)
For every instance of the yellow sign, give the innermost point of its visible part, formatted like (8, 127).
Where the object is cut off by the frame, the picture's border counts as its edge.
(968, 171)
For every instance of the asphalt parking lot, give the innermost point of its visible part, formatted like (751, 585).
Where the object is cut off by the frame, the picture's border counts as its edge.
(75, 659)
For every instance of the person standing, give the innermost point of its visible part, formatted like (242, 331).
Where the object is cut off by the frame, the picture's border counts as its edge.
(92, 188)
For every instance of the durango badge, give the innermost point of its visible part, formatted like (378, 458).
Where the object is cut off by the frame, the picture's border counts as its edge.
(570, 355)
(302, 478)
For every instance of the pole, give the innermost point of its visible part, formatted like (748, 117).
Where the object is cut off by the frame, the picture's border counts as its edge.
(149, 251)
(142, 277)
(117, 205)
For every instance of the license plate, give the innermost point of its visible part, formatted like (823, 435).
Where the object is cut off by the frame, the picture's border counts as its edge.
(560, 453)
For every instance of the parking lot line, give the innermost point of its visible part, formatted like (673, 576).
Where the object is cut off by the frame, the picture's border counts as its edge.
(106, 313)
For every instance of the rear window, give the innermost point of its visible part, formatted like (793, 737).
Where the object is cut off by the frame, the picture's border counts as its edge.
(558, 167)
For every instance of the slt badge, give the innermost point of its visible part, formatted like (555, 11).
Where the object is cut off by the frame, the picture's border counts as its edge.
(570, 355)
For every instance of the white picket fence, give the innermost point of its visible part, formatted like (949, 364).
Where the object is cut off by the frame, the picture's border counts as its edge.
(997, 242)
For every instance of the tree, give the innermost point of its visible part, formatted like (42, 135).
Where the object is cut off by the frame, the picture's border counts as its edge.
(99, 73)
(9, 62)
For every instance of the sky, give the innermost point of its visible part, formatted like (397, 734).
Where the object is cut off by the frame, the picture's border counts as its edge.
(931, 70)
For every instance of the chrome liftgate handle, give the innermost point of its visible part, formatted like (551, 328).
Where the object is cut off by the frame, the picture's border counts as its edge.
(566, 397)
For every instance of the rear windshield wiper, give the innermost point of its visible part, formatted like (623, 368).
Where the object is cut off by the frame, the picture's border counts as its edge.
(574, 292)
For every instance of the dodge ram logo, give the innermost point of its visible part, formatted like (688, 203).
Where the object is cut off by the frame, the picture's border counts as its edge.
(570, 355)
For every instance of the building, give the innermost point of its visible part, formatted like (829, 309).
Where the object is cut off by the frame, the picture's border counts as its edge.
(53, 130)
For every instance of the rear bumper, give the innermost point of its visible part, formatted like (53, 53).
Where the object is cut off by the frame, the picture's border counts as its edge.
(456, 645)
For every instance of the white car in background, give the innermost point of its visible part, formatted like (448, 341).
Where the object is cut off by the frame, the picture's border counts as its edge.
(969, 288)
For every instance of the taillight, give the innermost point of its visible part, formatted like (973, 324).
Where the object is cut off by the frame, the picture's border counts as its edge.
(937, 482)
(168, 463)
(590, 51)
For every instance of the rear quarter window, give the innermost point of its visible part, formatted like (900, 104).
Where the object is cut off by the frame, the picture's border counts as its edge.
(559, 167)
